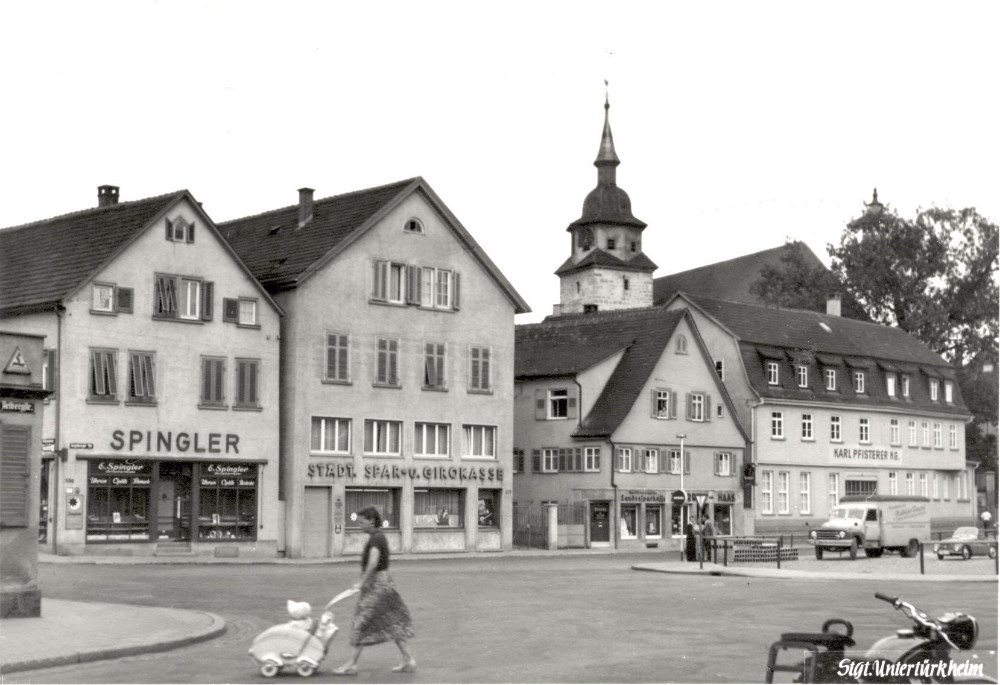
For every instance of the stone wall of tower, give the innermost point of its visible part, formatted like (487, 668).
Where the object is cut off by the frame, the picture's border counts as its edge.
(606, 289)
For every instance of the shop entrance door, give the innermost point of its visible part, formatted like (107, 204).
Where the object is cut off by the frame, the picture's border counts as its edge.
(316, 526)
(173, 503)
(600, 530)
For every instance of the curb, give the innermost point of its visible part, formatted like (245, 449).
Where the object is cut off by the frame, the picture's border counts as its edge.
(217, 627)
(716, 570)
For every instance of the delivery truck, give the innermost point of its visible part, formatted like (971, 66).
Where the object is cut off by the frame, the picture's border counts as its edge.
(874, 523)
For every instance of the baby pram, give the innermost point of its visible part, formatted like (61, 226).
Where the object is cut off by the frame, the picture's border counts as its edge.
(302, 642)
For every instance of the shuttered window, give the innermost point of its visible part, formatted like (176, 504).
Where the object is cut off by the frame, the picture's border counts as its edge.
(247, 393)
(14, 481)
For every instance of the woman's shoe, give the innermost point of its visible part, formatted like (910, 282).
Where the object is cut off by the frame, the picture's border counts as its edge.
(345, 670)
(409, 667)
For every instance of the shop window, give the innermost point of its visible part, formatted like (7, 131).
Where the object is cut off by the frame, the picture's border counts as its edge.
(654, 521)
(629, 519)
(385, 500)
(331, 434)
(213, 382)
(247, 395)
(118, 501)
(438, 508)
(723, 518)
(487, 508)
(227, 497)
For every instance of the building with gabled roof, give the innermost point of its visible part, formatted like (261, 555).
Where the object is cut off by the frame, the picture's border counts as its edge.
(615, 411)
(837, 407)
(161, 354)
(397, 358)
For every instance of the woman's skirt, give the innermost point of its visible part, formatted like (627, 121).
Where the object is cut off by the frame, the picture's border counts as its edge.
(380, 614)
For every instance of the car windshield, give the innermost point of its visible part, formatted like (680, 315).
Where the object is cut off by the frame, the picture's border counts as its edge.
(966, 532)
(845, 513)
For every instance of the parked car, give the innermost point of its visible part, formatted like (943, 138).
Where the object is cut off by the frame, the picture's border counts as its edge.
(965, 542)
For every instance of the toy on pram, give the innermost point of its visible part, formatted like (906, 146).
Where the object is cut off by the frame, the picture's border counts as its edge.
(301, 642)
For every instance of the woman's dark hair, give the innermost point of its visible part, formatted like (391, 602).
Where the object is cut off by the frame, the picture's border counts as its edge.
(371, 513)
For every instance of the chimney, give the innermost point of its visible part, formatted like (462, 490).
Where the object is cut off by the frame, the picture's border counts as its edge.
(305, 206)
(107, 196)
(833, 306)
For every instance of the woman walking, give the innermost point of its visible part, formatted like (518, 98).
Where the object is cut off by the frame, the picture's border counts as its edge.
(380, 614)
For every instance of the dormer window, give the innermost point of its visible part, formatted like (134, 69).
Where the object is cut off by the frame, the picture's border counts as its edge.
(413, 225)
(859, 382)
(633, 246)
(802, 372)
(890, 384)
(831, 379)
(772, 373)
(611, 243)
(625, 282)
(934, 391)
(949, 392)
(905, 386)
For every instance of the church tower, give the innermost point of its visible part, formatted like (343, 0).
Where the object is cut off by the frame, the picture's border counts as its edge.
(606, 268)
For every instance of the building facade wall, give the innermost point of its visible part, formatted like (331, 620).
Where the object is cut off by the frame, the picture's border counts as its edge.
(135, 473)
(810, 464)
(894, 460)
(410, 481)
(635, 492)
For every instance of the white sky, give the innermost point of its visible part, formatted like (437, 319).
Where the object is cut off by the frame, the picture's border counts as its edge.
(737, 123)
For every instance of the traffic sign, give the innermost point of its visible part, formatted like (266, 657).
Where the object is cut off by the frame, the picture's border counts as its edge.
(701, 500)
(678, 497)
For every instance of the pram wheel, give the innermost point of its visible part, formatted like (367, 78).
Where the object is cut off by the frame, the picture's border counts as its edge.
(305, 669)
(269, 669)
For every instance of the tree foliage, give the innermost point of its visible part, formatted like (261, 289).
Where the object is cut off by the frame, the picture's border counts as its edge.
(934, 276)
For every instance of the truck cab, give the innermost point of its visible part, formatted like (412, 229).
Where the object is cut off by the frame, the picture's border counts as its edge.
(874, 523)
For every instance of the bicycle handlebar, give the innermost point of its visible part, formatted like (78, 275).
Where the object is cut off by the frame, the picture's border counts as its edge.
(886, 598)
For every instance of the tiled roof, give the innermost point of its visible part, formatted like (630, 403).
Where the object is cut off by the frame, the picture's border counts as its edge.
(565, 345)
(800, 329)
(730, 280)
(282, 255)
(601, 258)
(43, 262)
(819, 341)
(278, 252)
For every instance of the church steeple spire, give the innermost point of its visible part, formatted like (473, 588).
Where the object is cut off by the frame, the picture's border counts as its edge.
(607, 159)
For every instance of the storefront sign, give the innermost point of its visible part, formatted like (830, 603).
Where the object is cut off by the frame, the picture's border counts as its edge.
(126, 467)
(727, 496)
(397, 472)
(637, 496)
(20, 407)
(876, 456)
(159, 441)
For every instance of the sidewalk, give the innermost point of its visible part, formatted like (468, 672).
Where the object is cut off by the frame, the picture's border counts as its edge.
(74, 632)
